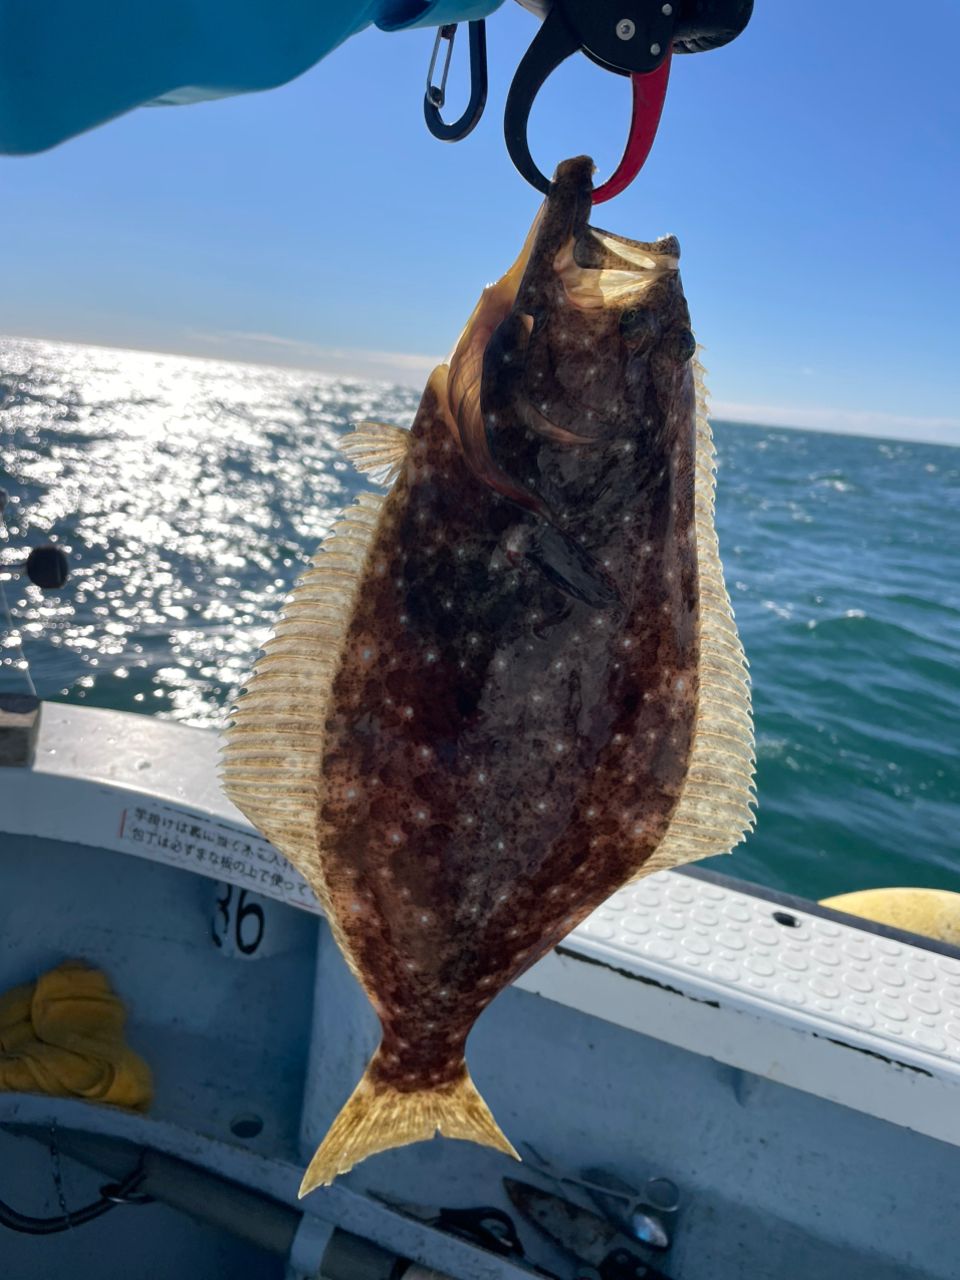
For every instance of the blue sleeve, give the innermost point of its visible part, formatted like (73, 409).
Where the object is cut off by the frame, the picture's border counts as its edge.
(67, 65)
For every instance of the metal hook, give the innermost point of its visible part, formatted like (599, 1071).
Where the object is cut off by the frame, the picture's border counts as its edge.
(435, 95)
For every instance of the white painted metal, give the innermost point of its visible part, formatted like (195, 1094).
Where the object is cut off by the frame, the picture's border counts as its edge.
(791, 1004)
(683, 1032)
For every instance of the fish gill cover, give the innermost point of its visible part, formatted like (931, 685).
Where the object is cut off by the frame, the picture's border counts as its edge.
(514, 683)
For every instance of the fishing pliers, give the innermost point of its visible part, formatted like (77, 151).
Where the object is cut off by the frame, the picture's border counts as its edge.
(635, 38)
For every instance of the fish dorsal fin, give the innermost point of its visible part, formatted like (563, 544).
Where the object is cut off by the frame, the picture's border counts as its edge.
(378, 449)
(273, 749)
(715, 809)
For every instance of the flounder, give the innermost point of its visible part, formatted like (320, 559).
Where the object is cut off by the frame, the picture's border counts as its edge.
(513, 683)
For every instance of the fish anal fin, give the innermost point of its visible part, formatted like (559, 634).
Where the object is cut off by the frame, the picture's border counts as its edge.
(378, 449)
(378, 1117)
(715, 808)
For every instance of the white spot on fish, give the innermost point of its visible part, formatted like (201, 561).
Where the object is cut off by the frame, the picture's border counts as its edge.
(541, 806)
(420, 815)
(424, 753)
(680, 684)
(431, 655)
(408, 713)
(355, 907)
(559, 747)
(396, 837)
(424, 918)
(501, 846)
(626, 643)
(481, 776)
(410, 966)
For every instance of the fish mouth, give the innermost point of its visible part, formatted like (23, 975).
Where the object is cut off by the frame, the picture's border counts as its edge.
(595, 268)
(562, 222)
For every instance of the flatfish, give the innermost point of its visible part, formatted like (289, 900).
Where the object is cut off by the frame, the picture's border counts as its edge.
(512, 683)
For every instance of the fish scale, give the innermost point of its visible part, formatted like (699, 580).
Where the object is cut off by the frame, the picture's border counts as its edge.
(514, 683)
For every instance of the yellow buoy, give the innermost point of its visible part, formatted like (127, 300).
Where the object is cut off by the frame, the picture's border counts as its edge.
(933, 913)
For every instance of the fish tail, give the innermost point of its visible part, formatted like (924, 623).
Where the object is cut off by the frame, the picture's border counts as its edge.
(379, 1116)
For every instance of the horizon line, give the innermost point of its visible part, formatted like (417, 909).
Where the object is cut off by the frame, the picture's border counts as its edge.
(411, 370)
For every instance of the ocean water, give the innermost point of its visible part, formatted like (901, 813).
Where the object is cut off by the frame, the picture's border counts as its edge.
(189, 494)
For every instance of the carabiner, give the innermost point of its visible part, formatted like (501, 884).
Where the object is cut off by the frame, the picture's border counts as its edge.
(435, 95)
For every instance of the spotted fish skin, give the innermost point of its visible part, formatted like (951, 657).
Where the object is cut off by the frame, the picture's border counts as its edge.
(503, 755)
(537, 691)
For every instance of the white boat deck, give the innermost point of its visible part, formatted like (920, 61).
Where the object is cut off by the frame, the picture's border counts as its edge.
(852, 1015)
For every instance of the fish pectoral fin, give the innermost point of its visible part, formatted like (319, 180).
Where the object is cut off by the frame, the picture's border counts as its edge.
(571, 567)
(378, 449)
(541, 425)
(378, 1117)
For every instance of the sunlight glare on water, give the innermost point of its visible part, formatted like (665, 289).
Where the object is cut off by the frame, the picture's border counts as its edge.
(188, 493)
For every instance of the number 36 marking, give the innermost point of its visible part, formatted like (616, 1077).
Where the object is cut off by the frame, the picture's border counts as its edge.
(239, 926)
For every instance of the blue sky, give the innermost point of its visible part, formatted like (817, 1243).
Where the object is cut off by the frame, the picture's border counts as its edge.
(810, 170)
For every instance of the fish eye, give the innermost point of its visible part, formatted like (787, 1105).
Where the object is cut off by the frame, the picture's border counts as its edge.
(686, 345)
(637, 326)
